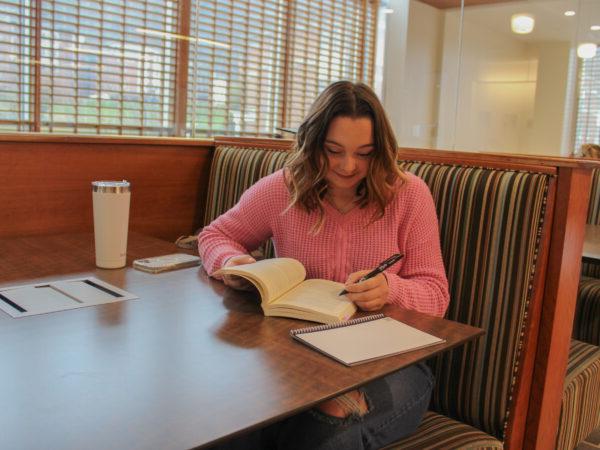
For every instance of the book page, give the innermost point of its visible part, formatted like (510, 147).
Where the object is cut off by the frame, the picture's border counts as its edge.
(273, 277)
(321, 296)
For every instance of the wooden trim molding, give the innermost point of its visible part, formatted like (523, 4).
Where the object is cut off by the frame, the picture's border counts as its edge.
(36, 68)
(278, 144)
(517, 420)
(181, 72)
(558, 309)
(103, 139)
(497, 159)
(545, 163)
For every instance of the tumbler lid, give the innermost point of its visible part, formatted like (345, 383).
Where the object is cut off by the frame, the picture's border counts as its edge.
(113, 187)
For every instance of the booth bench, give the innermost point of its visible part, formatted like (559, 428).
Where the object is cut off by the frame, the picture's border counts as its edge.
(511, 230)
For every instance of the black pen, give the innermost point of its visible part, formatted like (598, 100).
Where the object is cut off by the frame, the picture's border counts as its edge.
(380, 268)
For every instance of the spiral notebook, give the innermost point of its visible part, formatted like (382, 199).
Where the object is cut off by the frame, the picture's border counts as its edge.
(364, 339)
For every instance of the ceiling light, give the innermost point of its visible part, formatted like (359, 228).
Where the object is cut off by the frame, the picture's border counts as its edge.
(569, 13)
(522, 23)
(587, 50)
(595, 27)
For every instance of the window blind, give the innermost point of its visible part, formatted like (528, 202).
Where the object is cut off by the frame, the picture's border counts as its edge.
(104, 69)
(587, 128)
(17, 65)
(236, 67)
(258, 65)
(329, 41)
(179, 67)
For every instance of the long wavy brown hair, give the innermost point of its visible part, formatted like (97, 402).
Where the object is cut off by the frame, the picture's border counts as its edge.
(308, 164)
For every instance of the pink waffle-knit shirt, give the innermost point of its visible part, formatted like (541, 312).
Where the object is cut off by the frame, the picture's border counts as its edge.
(345, 244)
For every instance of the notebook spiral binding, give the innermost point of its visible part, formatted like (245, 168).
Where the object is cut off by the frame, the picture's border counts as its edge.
(336, 325)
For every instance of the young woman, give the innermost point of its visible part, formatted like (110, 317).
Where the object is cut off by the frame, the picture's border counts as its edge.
(341, 206)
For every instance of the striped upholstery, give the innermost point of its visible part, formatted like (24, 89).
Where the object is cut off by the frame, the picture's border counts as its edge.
(591, 268)
(490, 220)
(587, 314)
(594, 204)
(489, 225)
(233, 170)
(580, 411)
(437, 432)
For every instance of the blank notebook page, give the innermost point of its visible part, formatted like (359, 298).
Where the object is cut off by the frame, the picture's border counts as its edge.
(369, 340)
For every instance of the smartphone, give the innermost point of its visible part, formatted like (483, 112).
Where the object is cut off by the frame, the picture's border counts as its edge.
(164, 263)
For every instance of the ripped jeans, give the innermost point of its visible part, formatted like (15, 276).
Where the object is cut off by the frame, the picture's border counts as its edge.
(396, 404)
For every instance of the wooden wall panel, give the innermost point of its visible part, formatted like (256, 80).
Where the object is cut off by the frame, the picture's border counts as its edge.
(46, 185)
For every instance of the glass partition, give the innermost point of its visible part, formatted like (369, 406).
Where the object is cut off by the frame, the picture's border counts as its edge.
(507, 76)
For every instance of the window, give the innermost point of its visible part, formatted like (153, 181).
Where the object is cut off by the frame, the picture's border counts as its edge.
(328, 41)
(236, 67)
(17, 65)
(588, 106)
(89, 67)
(188, 67)
(102, 70)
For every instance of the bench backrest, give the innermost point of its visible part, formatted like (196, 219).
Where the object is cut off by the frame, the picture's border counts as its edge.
(233, 170)
(490, 226)
(591, 268)
(490, 223)
(594, 203)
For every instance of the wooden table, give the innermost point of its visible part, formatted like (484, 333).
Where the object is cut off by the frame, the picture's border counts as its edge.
(189, 363)
(591, 243)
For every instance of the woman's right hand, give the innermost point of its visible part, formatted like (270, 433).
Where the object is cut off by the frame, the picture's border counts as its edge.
(233, 280)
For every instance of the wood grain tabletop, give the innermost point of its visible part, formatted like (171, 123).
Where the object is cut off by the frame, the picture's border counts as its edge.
(188, 364)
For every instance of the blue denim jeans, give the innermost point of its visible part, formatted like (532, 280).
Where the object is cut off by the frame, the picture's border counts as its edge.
(396, 404)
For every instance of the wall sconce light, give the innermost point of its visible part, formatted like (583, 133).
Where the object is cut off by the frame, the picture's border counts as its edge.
(587, 50)
(522, 23)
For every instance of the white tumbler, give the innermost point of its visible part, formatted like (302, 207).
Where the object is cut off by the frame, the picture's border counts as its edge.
(111, 222)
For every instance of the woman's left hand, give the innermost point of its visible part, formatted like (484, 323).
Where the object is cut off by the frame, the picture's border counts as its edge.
(369, 295)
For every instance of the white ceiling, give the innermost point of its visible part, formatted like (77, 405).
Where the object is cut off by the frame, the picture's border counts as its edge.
(550, 22)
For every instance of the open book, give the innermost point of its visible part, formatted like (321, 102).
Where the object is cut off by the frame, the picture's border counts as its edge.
(285, 292)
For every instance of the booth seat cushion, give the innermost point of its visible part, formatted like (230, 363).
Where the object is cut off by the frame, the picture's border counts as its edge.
(437, 431)
(586, 326)
(580, 410)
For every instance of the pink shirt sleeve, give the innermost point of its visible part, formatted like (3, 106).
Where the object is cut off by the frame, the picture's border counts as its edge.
(421, 284)
(240, 230)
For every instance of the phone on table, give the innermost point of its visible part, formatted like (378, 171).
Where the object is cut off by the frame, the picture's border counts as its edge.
(157, 264)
